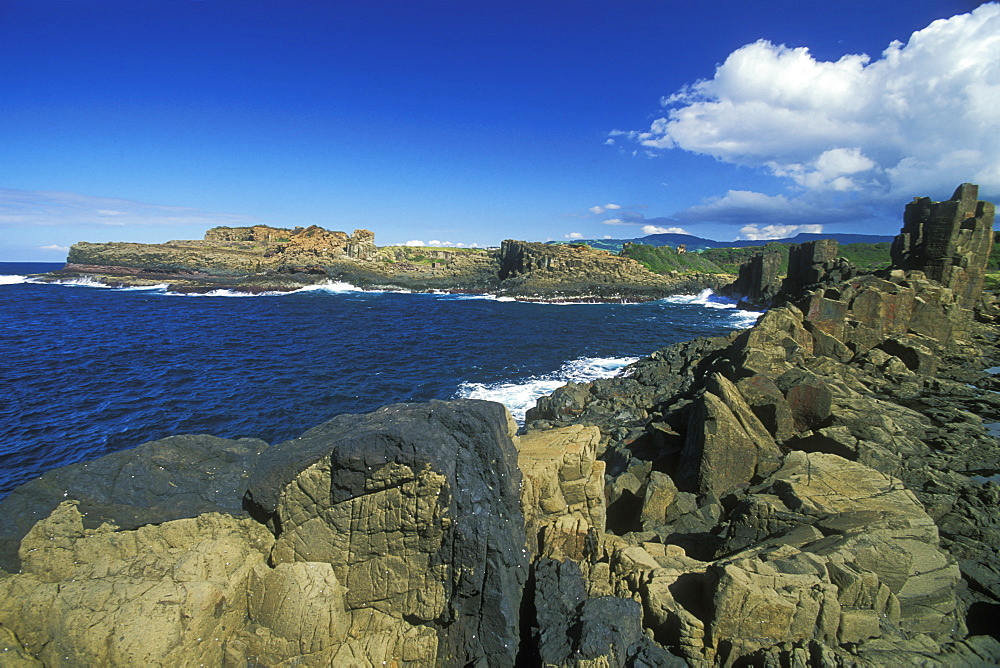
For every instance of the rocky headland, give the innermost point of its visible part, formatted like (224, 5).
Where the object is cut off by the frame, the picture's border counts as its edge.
(262, 258)
(801, 493)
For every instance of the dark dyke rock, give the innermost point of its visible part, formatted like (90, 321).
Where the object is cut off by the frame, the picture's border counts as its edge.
(416, 509)
(757, 283)
(813, 263)
(574, 629)
(168, 479)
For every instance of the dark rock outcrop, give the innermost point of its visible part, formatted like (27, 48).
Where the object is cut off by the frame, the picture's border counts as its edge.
(173, 478)
(416, 509)
(393, 536)
(949, 241)
(844, 392)
(757, 282)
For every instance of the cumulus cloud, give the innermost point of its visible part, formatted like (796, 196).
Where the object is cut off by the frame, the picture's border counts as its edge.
(34, 207)
(446, 244)
(655, 229)
(755, 233)
(574, 235)
(917, 120)
(414, 242)
(54, 247)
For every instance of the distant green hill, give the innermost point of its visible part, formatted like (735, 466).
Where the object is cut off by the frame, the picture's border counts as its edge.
(664, 259)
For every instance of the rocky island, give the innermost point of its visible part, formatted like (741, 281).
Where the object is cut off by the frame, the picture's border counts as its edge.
(262, 258)
(807, 492)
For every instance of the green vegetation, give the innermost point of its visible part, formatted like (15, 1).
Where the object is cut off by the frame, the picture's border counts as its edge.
(992, 282)
(994, 261)
(663, 259)
(730, 259)
(868, 257)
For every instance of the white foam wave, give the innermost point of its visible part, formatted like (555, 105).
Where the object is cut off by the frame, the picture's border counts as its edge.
(519, 396)
(484, 296)
(140, 288)
(79, 282)
(221, 292)
(13, 280)
(329, 286)
(708, 299)
(743, 319)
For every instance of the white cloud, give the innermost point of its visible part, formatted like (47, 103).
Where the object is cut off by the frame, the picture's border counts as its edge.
(755, 233)
(414, 242)
(598, 210)
(442, 244)
(34, 207)
(574, 235)
(655, 229)
(743, 207)
(54, 247)
(918, 120)
(616, 221)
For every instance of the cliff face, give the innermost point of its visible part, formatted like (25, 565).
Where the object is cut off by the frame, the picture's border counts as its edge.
(550, 271)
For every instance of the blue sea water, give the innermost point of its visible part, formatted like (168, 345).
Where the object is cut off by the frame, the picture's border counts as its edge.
(86, 369)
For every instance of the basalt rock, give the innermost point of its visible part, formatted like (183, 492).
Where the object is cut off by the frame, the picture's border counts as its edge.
(416, 510)
(765, 490)
(562, 493)
(757, 282)
(813, 263)
(172, 478)
(949, 241)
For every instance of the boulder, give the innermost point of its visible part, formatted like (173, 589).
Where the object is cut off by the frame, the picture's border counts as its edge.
(172, 478)
(168, 594)
(415, 507)
(727, 446)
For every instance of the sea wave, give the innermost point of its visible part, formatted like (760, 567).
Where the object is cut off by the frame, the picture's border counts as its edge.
(13, 280)
(708, 299)
(520, 395)
(329, 286)
(79, 282)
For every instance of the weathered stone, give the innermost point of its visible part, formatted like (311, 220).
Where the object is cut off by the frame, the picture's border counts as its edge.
(562, 488)
(415, 507)
(727, 445)
(661, 492)
(159, 595)
(757, 282)
(168, 479)
(949, 241)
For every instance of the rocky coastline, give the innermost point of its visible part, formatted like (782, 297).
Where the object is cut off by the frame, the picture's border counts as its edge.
(801, 493)
(266, 259)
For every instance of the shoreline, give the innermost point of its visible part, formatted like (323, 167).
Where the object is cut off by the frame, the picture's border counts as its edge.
(796, 492)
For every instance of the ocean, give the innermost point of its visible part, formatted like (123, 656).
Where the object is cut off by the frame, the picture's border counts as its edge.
(86, 369)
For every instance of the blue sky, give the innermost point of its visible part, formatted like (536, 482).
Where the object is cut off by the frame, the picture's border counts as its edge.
(462, 123)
